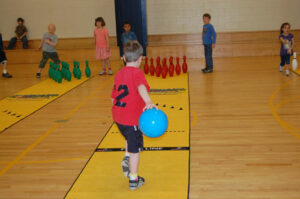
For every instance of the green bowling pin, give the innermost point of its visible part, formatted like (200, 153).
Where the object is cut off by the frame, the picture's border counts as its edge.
(87, 69)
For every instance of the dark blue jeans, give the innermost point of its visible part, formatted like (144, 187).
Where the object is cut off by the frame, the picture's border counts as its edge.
(208, 56)
(14, 40)
(285, 59)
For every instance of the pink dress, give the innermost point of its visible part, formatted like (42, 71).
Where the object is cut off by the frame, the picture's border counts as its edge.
(102, 50)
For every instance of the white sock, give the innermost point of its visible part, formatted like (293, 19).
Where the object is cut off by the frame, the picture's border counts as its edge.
(127, 154)
(133, 176)
(4, 71)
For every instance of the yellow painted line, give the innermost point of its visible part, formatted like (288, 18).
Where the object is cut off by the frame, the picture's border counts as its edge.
(285, 102)
(194, 118)
(28, 149)
(21, 155)
(49, 161)
(274, 110)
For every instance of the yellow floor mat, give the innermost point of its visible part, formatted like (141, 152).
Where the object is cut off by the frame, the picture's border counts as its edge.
(165, 173)
(164, 163)
(20, 105)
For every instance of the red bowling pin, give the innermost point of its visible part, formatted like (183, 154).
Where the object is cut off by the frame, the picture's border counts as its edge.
(146, 67)
(158, 70)
(152, 69)
(164, 72)
(178, 67)
(184, 65)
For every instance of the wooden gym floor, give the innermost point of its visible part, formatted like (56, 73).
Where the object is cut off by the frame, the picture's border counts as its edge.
(245, 133)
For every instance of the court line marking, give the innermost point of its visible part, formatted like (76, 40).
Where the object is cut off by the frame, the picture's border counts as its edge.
(274, 110)
(4, 130)
(42, 137)
(283, 103)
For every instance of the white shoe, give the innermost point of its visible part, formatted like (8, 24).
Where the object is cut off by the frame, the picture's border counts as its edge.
(287, 72)
(280, 68)
(110, 72)
(103, 72)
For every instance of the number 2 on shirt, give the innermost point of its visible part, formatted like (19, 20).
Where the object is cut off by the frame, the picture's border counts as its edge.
(122, 95)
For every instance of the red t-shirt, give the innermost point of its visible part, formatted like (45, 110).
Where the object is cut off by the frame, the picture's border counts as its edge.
(127, 103)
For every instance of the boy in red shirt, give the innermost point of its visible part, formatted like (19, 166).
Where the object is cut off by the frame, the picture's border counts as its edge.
(130, 98)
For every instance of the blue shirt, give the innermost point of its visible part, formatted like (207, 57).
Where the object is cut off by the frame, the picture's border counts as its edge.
(128, 37)
(208, 34)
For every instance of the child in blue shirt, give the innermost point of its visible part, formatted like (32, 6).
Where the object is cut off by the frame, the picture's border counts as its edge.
(126, 36)
(209, 41)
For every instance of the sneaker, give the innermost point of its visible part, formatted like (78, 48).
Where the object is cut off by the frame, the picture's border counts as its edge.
(125, 166)
(134, 184)
(203, 69)
(6, 75)
(280, 68)
(103, 72)
(208, 71)
(38, 75)
(110, 72)
(287, 72)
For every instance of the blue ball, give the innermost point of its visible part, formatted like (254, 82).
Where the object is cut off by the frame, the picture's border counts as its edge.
(153, 123)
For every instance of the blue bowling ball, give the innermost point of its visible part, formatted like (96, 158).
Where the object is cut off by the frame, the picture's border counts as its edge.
(153, 123)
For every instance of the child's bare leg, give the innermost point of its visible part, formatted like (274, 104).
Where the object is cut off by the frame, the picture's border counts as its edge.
(40, 70)
(5, 73)
(287, 71)
(4, 67)
(103, 64)
(103, 72)
(134, 164)
(126, 149)
(108, 65)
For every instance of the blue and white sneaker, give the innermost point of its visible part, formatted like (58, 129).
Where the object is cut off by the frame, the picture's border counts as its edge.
(125, 166)
(134, 184)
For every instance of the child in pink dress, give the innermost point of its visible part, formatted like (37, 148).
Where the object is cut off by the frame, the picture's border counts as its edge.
(102, 45)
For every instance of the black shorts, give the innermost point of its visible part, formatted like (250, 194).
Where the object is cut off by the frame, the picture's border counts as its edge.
(133, 136)
(2, 57)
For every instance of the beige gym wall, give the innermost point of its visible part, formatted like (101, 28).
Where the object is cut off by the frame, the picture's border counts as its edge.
(75, 18)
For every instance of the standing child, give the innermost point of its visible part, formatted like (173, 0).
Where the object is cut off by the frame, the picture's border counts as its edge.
(209, 41)
(21, 32)
(102, 45)
(126, 36)
(48, 45)
(287, 45)
(130, 97)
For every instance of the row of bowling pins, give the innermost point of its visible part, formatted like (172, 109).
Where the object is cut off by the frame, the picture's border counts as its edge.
(295, 63)
(163, 69)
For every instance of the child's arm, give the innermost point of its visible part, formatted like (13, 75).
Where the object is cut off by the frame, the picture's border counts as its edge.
(293, 43)
(23, 35)
(107, 40)
(41, 45)
(214, 35)
(50, 42)
(145, 96)
(292, 46)
(282, 40)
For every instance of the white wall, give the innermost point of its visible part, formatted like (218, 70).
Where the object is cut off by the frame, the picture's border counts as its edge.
(185, 16)
(75, 18)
